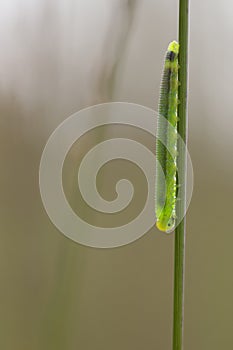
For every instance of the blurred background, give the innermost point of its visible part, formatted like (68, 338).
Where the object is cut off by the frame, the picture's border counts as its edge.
(58, 57)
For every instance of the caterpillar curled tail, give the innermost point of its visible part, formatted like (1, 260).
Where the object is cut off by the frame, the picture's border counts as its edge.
(166, 143)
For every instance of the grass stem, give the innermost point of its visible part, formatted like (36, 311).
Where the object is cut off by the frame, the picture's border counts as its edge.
(179, 253)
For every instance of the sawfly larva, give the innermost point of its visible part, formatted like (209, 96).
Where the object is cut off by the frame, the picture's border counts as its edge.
(166, 143)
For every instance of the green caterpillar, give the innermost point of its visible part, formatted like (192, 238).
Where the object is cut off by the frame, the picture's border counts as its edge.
(166, 143)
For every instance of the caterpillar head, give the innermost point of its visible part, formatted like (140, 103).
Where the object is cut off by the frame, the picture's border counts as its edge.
(165, 224)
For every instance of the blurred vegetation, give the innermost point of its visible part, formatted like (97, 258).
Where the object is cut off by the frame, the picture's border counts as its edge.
(57, 58)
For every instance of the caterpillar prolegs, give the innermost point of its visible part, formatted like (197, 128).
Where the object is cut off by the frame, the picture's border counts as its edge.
(166, 143)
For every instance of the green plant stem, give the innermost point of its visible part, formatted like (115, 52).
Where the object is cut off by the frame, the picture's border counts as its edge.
(179, 253)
